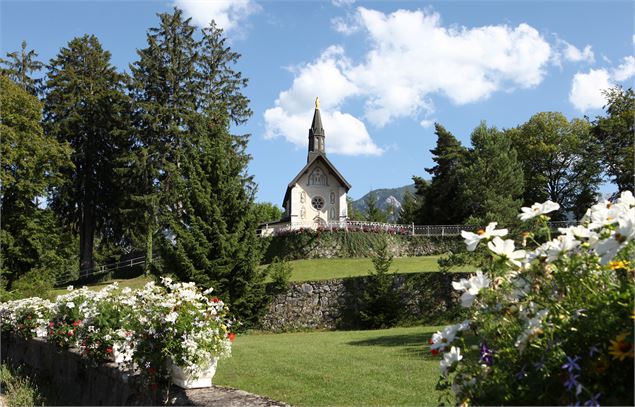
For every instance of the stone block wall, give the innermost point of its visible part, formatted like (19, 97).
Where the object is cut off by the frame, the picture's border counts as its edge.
(332, 304)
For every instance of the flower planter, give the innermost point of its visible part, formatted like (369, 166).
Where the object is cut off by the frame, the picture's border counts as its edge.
(186, 381)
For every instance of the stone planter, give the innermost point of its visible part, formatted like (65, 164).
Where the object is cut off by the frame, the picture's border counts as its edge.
(187, 381)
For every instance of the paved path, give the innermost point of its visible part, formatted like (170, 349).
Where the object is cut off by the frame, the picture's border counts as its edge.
(219, 396)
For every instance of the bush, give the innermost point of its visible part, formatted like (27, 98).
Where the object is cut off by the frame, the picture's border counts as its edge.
(380, 306)
(279, 272)
(18, 389)
(548, 326)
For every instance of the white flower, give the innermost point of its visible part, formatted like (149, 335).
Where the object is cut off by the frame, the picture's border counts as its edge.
(538, 209)
(578, 231)
(471, 287)
(70, 304)
(472, 239)
(449, 358)
(69, 288)
(444, 338)
(626, 199)
(171, 317)
(533, 327)
(505, 249)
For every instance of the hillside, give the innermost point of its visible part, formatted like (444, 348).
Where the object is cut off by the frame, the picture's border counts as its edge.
(386, 197)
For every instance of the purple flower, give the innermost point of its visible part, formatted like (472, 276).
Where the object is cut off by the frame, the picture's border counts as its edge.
(594, 402)
(487, 355)
(571, 382)
(593, 350)
(571, 364)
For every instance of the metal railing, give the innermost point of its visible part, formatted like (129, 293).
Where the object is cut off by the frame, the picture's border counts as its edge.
(374, 227)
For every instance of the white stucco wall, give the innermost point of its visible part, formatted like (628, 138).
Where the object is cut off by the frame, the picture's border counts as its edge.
(333, 194)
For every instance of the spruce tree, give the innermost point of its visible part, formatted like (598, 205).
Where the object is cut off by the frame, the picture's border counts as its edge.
(493, 178)
(20, 67)
(86, 107)
(440, 203)
(373, 211)
(409, 208)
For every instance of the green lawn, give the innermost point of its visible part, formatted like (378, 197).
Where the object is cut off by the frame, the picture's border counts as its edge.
(344, 368)
(325, 269)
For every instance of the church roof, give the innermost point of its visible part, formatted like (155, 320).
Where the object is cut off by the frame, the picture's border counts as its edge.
(328, 165)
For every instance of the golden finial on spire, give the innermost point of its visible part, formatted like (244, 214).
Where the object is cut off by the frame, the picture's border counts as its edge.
(317, 102)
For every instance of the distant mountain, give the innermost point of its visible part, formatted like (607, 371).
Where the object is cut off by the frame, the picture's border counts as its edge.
(386, 198)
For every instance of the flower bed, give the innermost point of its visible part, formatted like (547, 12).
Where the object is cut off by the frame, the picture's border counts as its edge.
(550, 323)
(148, 330)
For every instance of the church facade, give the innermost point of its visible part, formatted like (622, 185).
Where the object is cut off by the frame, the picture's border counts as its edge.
(317, 194)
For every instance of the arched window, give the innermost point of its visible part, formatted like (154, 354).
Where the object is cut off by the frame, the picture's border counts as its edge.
(318, 177)
(332, 198)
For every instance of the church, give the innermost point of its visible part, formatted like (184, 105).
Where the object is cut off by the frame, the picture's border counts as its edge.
(317, 195)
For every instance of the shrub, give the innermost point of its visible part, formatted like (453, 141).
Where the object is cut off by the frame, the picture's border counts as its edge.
(549, 324)
(279, 273)
(380, 305)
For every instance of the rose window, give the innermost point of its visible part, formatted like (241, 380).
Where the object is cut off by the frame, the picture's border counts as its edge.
(318, 203)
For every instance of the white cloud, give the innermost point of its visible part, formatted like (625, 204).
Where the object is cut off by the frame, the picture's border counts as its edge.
(228, 14)
(411, 57)
(342, 3)
(426, 124)
(625, 70)
(586, 89)
(291, 117)
(573, 54)
(344, 26)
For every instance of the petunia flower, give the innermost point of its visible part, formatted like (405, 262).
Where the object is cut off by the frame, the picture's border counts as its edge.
(505, 249)
(473, 239)
(538, 209)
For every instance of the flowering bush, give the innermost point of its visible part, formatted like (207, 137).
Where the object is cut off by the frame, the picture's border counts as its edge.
(146, 327)
(550, 323)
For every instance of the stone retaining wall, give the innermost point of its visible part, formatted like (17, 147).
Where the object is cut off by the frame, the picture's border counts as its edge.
(333, 304)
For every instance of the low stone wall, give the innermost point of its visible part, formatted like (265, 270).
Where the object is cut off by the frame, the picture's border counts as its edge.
(333, 304)
(74, 381)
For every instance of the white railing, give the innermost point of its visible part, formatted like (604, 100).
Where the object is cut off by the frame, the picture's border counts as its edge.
(375, 227)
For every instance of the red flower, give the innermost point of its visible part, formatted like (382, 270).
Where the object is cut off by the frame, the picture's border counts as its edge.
(430, 341)
(76, 323)
(108, 350)
(51, 324)
(434, 351)
(231, 336)
(70, 333)
(215, 299)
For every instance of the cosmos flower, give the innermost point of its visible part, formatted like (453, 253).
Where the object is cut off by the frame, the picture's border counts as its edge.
(473, 239)
(538, 209)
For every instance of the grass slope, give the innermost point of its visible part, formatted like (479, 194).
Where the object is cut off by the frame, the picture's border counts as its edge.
(344, 368)
(325, 269)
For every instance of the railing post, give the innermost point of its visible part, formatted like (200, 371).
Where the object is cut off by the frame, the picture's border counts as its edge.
(413, 228)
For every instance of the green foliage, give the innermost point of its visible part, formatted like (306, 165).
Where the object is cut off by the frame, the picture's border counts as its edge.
(373, 211)
(18, 389)
(492, 178)
(266, 212)
(440, 199)
(31, 166)
(409, 209)
(379, 304)
(614, 137)
(353, 213)
(20, 68)
(559, 160)
(86, 107)
(279, 274)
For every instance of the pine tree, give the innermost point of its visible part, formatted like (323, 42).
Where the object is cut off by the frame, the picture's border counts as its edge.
(440, 203)
(409, 208)
(613, 135)
(20, 68)
(493, 178)
(373, 211)
(86, 107)
(32, 164)
(353, 213)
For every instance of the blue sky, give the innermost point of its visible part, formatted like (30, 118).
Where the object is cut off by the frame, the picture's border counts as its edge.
(384, 71)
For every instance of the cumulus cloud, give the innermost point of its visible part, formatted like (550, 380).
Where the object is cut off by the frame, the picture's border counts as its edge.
(291, 117)
(625, 70)
(586, 88)
(228, 14)
(412, 56)
(573, 54)
(425, 123)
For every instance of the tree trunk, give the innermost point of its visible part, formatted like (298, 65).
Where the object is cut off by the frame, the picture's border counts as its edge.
(148, 249)
(86, 238)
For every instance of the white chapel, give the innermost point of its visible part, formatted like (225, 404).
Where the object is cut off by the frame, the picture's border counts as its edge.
(317, 195)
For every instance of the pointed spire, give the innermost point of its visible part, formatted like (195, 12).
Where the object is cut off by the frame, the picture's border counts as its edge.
(316, 133)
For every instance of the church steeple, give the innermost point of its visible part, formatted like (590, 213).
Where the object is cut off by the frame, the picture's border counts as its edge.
(316, 134)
